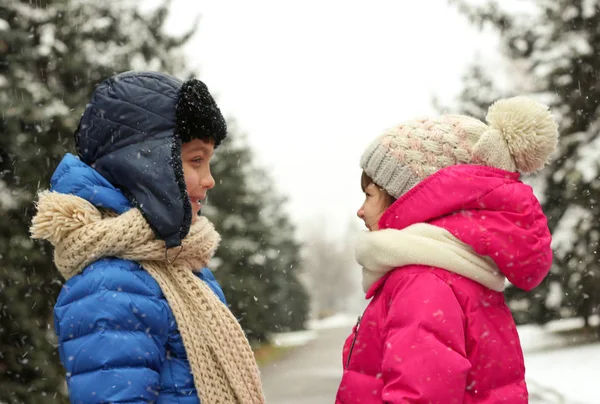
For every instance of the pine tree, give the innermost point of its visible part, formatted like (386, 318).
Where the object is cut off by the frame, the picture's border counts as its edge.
(52, 54)
(258, 258)
(557, 43)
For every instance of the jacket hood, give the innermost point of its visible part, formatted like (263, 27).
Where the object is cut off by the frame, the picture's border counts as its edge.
(489, 209)
(72, 176)
(131, 133)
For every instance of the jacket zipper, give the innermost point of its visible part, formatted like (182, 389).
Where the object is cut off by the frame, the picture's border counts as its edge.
(353, 341)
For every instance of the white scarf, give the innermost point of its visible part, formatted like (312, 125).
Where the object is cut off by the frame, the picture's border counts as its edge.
(378, 252)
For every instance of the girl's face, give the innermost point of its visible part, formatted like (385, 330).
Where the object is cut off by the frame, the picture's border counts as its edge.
(195, 157)
(376, 203)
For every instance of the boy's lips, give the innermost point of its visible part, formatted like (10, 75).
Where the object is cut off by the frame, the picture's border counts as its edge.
(197, 201)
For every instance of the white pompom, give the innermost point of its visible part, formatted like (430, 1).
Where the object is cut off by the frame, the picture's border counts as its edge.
(529, 129)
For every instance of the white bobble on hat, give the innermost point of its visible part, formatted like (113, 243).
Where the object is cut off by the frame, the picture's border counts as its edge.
(522, 127)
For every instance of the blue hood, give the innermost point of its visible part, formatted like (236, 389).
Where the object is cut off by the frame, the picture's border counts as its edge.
(72, 176)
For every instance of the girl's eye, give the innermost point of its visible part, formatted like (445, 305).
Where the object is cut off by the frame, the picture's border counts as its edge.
(198, 160)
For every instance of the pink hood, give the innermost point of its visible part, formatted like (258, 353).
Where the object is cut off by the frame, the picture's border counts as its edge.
(487, 208)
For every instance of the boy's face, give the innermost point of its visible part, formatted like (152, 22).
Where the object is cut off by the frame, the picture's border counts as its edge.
(195, 157)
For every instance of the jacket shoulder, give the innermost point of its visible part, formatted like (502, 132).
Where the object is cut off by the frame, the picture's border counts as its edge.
(110, 290)
(470, 294)
(109, 274)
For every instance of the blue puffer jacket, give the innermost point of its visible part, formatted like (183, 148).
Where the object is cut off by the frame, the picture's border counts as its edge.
(119, 341)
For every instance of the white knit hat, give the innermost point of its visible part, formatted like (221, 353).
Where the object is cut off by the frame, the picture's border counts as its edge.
(521, 136)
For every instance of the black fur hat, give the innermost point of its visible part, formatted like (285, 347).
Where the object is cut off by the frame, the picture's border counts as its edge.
(197, 114)
(131, 132)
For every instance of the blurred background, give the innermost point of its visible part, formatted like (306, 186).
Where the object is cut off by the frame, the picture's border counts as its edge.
(305, 86)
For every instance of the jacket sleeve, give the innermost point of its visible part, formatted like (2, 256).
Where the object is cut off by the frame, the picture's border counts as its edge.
(112, 325)
(424, 359)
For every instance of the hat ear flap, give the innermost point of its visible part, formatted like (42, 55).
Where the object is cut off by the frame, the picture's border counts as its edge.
(161, 196)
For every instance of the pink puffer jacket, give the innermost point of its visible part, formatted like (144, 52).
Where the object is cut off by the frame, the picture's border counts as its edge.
(431, 336)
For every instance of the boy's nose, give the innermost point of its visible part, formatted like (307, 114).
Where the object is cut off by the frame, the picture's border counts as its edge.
(208, 182)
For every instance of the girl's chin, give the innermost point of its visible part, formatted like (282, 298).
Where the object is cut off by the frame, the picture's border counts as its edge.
(373, 228)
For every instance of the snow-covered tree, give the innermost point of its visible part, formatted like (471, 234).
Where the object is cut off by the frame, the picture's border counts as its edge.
(555, 44)
(258, 259)
(52, 54)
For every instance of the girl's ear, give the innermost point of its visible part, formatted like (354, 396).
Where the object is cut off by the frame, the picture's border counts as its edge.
(387, 199)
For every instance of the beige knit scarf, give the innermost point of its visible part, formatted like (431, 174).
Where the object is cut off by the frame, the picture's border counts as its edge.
(222, 362)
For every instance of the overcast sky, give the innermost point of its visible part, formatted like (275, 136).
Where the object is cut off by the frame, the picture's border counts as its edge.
(313, 82)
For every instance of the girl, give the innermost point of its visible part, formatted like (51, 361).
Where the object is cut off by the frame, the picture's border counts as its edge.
(449, 223)
(140, 318)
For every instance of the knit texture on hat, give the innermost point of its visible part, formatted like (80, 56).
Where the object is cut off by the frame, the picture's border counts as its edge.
(222, 362)
(521, 136)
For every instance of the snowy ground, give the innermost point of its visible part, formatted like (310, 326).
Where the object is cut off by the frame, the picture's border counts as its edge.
(561, 368)
(301, 338)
